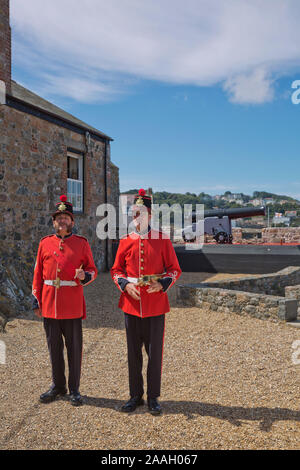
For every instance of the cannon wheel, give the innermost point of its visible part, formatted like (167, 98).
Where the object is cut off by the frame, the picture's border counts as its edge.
(222, 237)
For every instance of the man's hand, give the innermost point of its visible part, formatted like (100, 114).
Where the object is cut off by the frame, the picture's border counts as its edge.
(80, 274)
(132, 290)
(154, 287)
(38, 312)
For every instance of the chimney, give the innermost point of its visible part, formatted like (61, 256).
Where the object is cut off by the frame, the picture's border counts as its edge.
(5, 47)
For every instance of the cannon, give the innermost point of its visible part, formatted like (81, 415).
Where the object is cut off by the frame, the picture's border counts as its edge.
(217, 222)
(236, 213)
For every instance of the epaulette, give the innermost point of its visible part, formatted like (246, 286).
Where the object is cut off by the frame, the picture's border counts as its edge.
(47, 236)
(80, 236)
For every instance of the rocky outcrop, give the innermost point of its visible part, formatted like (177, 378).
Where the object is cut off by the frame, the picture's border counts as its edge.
(16, 267)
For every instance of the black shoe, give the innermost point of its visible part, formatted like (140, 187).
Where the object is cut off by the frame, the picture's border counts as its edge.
(52, 394)
(75, 398)
(132, 404)
(154, 407)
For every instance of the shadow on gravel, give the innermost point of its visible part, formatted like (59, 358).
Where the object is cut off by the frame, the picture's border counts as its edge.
(233, 414)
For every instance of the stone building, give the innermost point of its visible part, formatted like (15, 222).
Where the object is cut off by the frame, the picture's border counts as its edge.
(44, 152)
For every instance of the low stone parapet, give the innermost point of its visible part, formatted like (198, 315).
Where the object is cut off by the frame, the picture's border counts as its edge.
(281, 234)
(260, 306)
(269, 284)
(293, 292)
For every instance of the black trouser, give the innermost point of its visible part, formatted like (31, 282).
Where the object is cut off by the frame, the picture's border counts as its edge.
(71, 330)
(150, 332)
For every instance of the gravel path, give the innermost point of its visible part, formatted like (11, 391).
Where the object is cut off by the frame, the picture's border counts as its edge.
(229, 382)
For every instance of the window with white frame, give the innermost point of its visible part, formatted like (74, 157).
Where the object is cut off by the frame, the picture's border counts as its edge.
(75, 181)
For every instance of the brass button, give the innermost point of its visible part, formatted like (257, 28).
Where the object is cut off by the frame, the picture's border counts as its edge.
(59, 270)
(142, 244)
(142, 268)
(142, 260)
(142, 251)
(61, 248)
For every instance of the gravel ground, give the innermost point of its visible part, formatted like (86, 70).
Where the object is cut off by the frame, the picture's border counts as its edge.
(229, 382)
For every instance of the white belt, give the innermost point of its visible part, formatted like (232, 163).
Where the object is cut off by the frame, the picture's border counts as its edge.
(61, 283)
(144, 278)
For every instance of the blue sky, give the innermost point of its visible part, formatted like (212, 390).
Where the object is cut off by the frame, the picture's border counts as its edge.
(197, 97)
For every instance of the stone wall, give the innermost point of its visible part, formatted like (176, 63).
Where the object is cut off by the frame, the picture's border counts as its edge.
(264, 307)
(115, 183)
(266, 235)
(281, 234)
(113, 198)
(260, 236)
(237, 235)
(273, 296)
(247, 236)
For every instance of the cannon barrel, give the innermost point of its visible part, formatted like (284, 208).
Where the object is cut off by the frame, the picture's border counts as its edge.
(236, 213)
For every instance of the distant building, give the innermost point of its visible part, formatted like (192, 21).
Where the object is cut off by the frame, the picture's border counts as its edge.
(290, 213)
(237, 201)
(256, 202)
(268, 200)
(280, 219)
(283, 201)
(236, 196)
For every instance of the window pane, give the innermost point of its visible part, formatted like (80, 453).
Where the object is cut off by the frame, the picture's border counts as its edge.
(75, 183)
(73, 168)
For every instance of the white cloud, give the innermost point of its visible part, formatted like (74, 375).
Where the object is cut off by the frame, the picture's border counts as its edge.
(94, 48)
(255, 87)
(82, 89)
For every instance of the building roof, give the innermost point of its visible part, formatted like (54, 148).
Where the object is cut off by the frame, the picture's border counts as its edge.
(23, 95)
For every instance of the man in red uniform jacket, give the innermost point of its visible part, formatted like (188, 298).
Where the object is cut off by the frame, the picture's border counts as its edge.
(64, 264)
(145, 252)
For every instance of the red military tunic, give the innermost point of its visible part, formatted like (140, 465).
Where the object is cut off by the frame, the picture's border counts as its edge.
(58, 258)
(140, 255)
